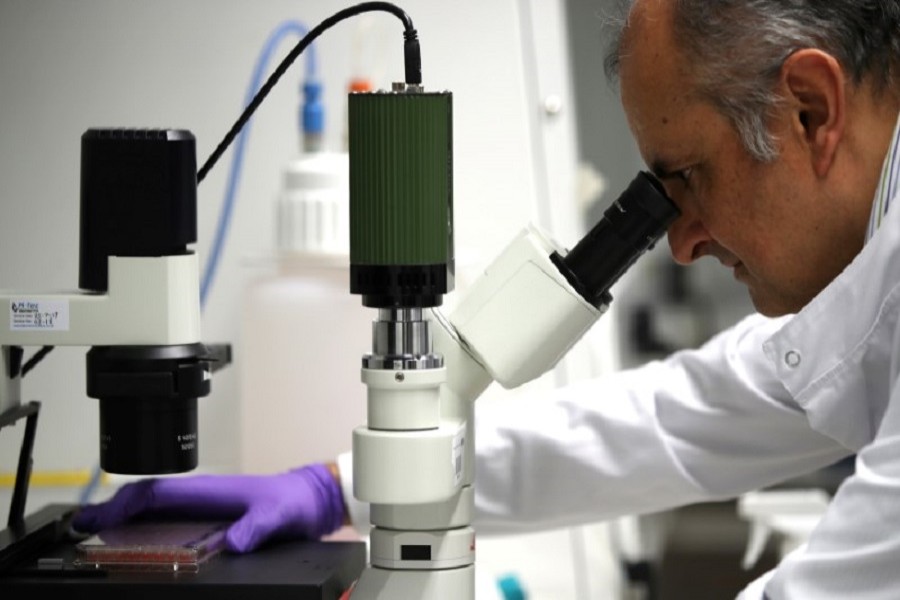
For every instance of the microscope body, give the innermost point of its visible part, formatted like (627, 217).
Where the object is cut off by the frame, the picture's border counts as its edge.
(137, 305)
(413, 461)
(514, 324)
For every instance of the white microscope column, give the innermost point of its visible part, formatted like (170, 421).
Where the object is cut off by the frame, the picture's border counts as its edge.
(409, 463)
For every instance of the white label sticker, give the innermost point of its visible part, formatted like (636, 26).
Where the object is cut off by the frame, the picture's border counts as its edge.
(459, 447)
(38, 315)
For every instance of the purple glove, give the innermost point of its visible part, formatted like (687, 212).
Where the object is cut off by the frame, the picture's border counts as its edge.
(301, 503)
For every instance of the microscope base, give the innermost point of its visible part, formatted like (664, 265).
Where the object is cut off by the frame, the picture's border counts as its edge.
(446, 584)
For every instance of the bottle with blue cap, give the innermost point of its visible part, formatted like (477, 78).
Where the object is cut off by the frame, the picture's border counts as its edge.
(302, 330)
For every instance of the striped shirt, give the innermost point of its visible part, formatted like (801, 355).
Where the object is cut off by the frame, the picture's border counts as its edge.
(887, 184)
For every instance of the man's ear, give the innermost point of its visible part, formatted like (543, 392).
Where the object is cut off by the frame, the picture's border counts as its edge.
(814, 83)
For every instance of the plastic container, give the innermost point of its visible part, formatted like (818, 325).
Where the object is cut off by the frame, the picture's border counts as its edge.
(303, 333)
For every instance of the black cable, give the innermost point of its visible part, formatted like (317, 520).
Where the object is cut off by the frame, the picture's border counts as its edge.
(35, 359)
(412, 59)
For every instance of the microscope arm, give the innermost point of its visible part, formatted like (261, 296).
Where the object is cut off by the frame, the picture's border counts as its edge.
(150, 301)
(147, 365)
(121, 317)
(515, 324)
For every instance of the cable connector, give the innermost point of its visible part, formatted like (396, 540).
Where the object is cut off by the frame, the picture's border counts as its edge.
(412, 56)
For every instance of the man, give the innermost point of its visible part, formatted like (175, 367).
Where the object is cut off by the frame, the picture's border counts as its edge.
(772, 124)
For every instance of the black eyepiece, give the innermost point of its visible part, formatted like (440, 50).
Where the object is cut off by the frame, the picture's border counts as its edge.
(629, 227)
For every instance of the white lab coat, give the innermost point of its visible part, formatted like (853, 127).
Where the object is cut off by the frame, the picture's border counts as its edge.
(767, 400)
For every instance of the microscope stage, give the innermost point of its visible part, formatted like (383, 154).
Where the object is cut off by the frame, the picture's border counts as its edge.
(295, 570)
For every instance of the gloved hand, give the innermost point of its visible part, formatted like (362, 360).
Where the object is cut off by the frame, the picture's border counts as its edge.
(302, 503)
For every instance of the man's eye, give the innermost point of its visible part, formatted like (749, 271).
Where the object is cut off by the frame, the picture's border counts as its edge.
(685, 174)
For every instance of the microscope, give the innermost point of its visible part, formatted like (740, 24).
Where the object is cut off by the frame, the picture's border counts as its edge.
(137, 307)
(413, 461)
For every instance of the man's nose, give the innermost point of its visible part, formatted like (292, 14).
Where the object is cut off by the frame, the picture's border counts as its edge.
(688, 237)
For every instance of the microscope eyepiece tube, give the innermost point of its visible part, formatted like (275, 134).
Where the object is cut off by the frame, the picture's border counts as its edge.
(629, 227)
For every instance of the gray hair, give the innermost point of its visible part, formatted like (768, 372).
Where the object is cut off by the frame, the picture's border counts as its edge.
(737, 48)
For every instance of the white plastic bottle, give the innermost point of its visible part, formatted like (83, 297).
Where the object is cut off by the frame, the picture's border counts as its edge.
(303, 333)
